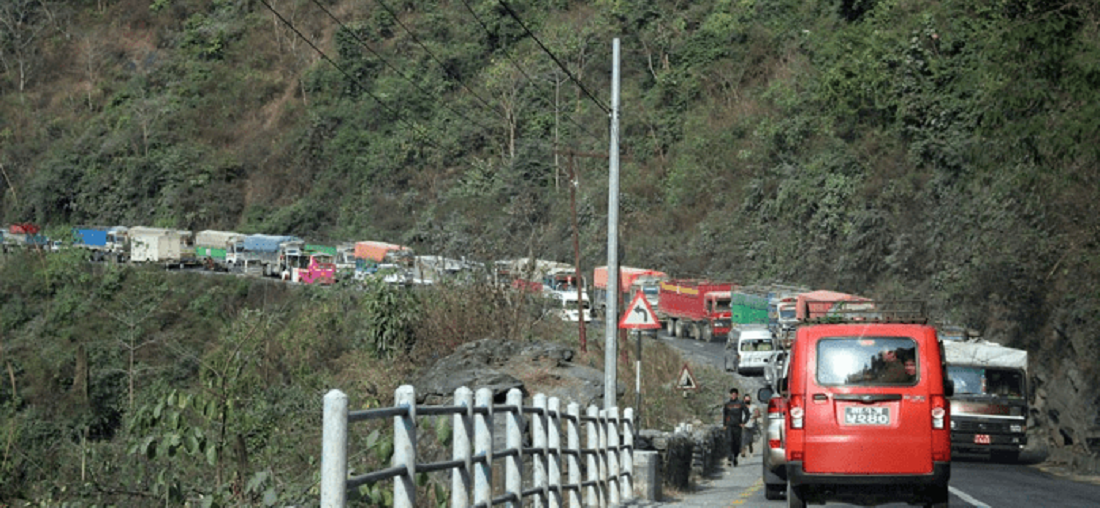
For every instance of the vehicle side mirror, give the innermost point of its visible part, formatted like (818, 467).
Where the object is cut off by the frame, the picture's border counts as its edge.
(764, 394)
(948, 387)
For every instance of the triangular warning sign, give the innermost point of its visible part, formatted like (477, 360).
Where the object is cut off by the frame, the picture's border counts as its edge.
(686, 380)
(639, 315)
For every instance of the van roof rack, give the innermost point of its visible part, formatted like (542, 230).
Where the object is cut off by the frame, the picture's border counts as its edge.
(874, 311)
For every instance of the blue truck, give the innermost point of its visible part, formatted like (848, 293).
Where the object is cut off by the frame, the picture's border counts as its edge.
(103, 243)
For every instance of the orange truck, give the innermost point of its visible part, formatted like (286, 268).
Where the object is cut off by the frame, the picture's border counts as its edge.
(631, 280)
(817, 304)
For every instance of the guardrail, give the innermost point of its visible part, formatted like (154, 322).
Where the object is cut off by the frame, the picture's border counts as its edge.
(608, 465)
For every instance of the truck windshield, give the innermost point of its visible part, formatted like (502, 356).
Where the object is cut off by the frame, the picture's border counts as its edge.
(986, 381)
(786, 313)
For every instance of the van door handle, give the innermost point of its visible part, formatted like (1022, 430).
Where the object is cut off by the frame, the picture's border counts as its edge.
(867, 398)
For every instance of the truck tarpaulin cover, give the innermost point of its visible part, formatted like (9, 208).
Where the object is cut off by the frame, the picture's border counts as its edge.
(984, 353)
(266, 243)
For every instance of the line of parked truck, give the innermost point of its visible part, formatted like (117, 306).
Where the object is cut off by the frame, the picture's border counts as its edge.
(286, 257)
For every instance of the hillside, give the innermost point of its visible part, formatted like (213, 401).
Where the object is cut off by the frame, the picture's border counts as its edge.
(940, 150)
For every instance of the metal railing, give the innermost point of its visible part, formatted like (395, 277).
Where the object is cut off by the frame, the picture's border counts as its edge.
(608, 462)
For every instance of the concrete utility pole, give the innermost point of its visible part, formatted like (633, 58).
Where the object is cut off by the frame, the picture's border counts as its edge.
(611, 320)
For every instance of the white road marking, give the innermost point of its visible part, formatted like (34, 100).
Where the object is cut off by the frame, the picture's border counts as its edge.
(967, 497)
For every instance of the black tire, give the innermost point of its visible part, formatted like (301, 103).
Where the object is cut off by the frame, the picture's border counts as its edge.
(774, 492)
(937, 497)
(795, 497)
(670, 327)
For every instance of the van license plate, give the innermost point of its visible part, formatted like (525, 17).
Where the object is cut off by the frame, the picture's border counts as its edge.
(981, 438)
(863, 415)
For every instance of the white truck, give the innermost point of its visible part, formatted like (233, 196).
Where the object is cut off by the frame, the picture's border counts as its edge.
(989, 407)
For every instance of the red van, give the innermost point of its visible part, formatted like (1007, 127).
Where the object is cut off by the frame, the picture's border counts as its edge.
(868, 417)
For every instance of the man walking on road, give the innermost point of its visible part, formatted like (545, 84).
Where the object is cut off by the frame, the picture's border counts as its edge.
(733, 419)
(752, 425)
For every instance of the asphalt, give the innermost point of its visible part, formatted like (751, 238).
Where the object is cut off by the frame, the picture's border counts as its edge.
(729, 486)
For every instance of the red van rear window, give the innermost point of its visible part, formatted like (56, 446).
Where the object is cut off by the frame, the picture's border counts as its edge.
(867, 361)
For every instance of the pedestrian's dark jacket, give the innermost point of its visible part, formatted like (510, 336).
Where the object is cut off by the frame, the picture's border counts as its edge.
(734, 413)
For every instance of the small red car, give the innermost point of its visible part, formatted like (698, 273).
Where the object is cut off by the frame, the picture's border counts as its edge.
(868, 418)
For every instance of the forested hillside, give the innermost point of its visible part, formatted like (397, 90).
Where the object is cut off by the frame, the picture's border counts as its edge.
(945, 150)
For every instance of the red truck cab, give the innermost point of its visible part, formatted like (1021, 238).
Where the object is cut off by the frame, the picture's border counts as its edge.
(867, 420)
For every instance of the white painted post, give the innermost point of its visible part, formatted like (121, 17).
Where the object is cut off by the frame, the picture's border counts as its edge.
(483, 448)
(404, 448)
(573, 437)
(602, 432)
(628, 454)
(334, 451)
(593, 461)
(553, 456)
(463, 428)
(513, 464)
(613, 456)
(538, 442)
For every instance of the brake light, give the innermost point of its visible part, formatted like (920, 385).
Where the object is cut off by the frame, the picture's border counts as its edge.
(775, 443)
(939, 413)
(796, 412)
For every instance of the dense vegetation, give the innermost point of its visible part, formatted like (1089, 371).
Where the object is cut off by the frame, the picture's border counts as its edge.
(946, 150)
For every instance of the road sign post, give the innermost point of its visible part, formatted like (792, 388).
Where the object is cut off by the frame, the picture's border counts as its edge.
(639, 316)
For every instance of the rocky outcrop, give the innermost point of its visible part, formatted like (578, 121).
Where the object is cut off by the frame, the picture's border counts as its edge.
(500, 365)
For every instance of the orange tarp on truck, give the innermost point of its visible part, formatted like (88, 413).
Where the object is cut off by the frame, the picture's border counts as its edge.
(816, 304)
(626, 278)
(376, 251)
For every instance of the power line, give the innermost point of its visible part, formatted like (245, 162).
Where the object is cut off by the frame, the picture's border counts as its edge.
(430, 54)
(402, 74)
(396, 116)
(553, 56)
(517, 64)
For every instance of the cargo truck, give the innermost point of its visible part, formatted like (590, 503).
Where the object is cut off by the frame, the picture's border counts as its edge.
(172, 247)
(307, 264)
(25, 236)
(989, 407)
(212, 247)
(699, 309)
(395, 260)
(259, 254)
(103, 243)
(816, 304)
(631, 281)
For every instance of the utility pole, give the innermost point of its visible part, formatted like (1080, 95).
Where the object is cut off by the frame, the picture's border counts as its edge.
(611, 321)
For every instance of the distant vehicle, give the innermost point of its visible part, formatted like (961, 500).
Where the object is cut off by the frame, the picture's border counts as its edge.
(868, 419)
(103, 243)
(699, 309)
(990, 405)
(212, 247)
(774, 461)
(259, 254)
(565, 306)
(631, 281)
(171, 247)
(816, 304)
(748, 350)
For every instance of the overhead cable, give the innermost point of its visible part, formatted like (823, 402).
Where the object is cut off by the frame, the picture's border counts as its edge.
(553, 56)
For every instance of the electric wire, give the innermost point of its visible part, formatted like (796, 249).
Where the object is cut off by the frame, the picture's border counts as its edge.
(328, 59)
(517, 64)
(429, 52)
(554, 57)
(410, 80)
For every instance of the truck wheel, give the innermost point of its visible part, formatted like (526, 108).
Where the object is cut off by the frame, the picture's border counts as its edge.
(696, 332)
(680, 332)
(670, 327)
(708, 334)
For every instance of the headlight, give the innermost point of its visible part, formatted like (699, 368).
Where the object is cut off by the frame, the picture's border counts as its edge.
(952, 424)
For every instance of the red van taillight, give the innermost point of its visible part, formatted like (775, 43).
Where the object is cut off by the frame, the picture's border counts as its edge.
(939, 413)
(941, 435)
(796, 412)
